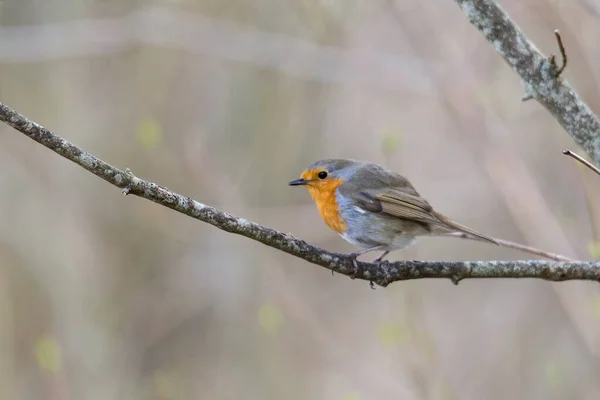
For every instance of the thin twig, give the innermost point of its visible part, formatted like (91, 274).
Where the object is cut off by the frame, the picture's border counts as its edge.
(526, 97)
(563, 54)
(382, 274)
(581, 160)
(552, 60)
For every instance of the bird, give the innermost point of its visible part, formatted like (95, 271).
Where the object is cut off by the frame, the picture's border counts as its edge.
(374, 208)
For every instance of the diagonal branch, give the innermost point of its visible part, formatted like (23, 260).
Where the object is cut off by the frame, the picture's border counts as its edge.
(382, 274)
(539, 74)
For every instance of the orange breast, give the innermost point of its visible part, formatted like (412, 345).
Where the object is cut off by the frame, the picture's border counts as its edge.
(324, 195)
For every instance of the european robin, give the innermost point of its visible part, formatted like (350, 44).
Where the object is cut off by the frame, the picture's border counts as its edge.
(373, 207)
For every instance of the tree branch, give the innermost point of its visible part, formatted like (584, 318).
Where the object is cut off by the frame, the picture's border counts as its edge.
(540, 75)
(382, 274)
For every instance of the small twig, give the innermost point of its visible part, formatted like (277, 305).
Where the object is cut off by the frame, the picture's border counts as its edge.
(563, 54)
(581, 160)
(527, 98)
(552, 59)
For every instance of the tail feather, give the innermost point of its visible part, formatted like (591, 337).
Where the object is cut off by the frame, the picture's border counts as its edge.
(461, 228)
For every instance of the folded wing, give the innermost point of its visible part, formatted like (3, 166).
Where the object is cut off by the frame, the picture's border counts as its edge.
(397, 203)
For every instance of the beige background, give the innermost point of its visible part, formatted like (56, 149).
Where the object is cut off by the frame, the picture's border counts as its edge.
(108, 297)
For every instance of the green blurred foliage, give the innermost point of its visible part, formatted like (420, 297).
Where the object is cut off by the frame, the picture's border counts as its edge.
(149, 133)
(390, 334)
(48, 354)
(270, 318)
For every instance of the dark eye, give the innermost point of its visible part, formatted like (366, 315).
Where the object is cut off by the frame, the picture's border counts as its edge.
(322, 175)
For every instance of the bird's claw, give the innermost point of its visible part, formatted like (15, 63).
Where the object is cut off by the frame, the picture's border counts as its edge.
(355, 272)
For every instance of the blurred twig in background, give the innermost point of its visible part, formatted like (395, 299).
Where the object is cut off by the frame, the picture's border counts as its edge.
(195, 34)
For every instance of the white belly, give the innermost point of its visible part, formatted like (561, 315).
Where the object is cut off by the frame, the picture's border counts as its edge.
(398, 243)
(350, 240)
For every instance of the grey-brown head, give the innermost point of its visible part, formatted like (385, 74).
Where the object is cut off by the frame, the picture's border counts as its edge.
(336, 168)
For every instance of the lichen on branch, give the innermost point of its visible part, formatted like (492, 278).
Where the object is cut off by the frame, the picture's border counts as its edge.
(382, 274)
(539, 74)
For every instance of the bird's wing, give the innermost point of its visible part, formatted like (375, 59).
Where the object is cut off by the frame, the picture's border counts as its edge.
(396, 202)
(378, 190)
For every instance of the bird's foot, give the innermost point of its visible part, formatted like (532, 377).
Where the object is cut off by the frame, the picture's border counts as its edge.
(355, 264)
(354, 257)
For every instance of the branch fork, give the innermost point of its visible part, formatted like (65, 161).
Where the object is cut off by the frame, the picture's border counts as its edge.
(555, 69)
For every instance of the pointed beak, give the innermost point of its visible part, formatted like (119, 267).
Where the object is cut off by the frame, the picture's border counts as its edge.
(298, 182)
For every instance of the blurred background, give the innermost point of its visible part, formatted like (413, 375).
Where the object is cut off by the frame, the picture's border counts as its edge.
(110, 297)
